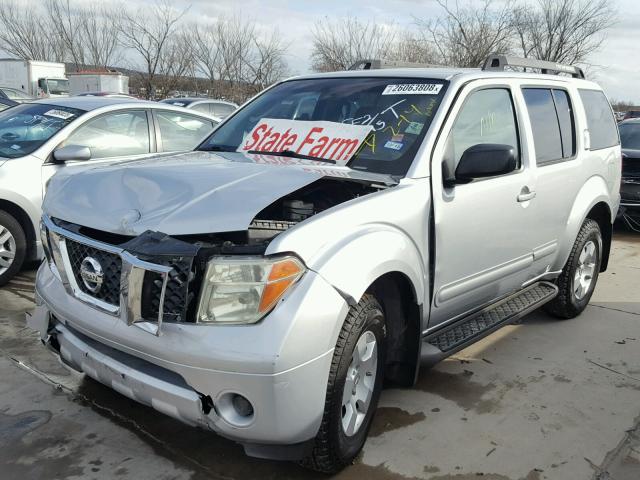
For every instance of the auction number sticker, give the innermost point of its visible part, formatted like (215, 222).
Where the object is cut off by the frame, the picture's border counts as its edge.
(59, 114)
(413, 89)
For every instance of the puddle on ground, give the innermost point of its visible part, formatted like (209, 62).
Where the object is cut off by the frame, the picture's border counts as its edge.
(459, 388)
(393, 418)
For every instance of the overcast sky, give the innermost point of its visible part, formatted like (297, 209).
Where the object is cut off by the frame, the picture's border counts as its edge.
(616, 66)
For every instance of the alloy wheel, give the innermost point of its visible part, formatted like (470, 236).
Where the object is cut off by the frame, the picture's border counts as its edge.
(359, 384)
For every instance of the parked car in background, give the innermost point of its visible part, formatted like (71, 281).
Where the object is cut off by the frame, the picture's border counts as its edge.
(39, 138)
(337, 233)
(216, 108)
(630, 187)
(631, 114)
(6, 103)
(106, 94)
(15, 95)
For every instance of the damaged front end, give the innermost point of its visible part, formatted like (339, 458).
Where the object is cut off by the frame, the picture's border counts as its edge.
(153, 278)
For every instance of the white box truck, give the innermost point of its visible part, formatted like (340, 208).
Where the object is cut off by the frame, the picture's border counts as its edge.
(34, 77)
(109, 81)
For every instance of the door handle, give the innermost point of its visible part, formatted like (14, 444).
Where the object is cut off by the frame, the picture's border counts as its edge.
(526, 195)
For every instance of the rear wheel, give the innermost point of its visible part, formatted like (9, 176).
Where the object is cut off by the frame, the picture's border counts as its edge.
(13, 247)
(353, 389)
(580, 274)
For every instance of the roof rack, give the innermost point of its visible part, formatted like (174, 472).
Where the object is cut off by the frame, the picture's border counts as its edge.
(377, 64)
(499, 62)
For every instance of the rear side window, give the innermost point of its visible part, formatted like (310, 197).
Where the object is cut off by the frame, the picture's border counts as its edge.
(602, 126)
(552, 123)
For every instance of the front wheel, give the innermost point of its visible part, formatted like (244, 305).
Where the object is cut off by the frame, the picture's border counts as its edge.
(578, 279)
(13, 247)
(353, 389)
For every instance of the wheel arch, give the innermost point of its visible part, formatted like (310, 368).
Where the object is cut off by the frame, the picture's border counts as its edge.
(601, 213)
(593, 201)
(25, 222)
(398, 298)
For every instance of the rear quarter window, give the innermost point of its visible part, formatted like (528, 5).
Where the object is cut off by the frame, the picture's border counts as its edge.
(603, 130)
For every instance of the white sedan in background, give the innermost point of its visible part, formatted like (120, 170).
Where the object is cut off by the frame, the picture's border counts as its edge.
(40, 137)
(217, 108)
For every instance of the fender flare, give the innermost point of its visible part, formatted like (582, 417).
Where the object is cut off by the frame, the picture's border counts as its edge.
(593, 192)
(372, 251)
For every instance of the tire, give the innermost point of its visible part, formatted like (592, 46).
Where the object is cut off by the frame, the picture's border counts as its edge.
(333, 448)
(12, 242)
(573, 297)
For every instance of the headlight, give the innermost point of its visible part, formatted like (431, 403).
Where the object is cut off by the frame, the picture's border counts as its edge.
(244, 290)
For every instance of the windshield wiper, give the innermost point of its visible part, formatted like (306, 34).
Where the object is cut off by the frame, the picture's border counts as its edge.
(292, 154)
(217, 148)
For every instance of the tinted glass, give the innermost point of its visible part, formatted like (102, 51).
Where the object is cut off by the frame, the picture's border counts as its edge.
(26, 127)
(544, 123)
(399, 109)
(114, 135)
(181, 132)
(566, 121)
(602, 126)
(487, 116)
(178, 102)
(630, 136)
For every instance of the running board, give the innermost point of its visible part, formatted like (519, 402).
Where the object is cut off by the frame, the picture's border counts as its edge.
(452, 338)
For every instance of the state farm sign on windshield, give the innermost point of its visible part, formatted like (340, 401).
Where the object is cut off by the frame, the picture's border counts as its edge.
(326, 140)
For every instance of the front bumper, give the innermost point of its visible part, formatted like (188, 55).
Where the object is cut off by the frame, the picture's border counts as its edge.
(280, 365)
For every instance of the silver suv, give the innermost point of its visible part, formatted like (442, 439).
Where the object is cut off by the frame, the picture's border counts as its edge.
(332, 235)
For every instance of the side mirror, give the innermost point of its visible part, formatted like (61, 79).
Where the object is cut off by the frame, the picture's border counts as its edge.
(72, 153)
(486, 160)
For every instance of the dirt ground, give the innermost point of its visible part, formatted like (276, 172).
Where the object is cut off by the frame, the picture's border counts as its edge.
(543, 399)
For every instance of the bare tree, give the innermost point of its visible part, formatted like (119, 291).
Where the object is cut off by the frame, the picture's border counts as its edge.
(67, 28)
(147, 31)
(467, 34)
(266, 64)
(339, 44)
(100, 27)
(26, 32)
(177, 61)
(206, 52)
(413, 47)
(563, 31)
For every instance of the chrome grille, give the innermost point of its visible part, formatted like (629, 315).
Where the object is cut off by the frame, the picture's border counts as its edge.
(124, 277)
(111, 267)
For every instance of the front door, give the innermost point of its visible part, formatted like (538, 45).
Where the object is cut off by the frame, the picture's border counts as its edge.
(482, 249)
(117, 135)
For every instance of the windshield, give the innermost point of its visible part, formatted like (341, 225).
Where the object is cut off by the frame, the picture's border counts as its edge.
(24, 128)
(399, 110)
(630, 135)
(58, 87)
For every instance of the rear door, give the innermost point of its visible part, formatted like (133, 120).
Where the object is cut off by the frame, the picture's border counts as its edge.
(180, 132)
(483, 246)
(552, 124)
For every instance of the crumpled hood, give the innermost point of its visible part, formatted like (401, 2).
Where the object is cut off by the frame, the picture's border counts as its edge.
(192, 193)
